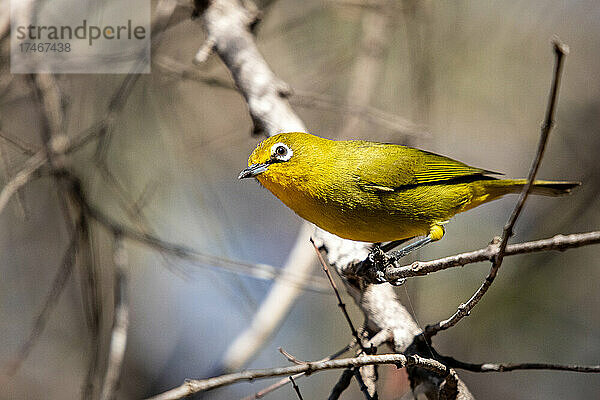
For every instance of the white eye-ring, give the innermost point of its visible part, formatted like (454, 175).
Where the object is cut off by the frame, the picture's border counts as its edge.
(281, 152)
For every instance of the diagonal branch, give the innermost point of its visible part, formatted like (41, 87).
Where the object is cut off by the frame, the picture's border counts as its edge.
(260, 271)
(341, 304)
(296, 388)
(118, 340)
(59, 282)
(263, 392)
(560, 51)
(22, 177)
(342, 384)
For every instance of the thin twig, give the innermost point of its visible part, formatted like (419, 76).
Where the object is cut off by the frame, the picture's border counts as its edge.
(59, 282)
(19, 143)
(260, 271)
(560, 51)
(194, 386)
(7, 171)
(489, 367)
(22, 177)
(262, 393)
(296, 388)
(558, 243)
(290, 357)
(118, 341)
(342, 384)
(295, 274)
(507, 367)
(341, 304)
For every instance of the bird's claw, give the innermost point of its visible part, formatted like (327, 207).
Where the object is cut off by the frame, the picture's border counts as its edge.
(374, 267)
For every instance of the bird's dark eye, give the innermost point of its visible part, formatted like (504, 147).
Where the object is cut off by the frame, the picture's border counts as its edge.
(281, 151)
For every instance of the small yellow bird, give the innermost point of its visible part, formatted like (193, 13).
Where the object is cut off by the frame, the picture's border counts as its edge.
(376, 192)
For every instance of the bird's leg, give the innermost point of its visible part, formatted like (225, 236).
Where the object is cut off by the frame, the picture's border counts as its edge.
(392, 245)
(406, 250)
(375, 264)
(436, 233)
(372, 267)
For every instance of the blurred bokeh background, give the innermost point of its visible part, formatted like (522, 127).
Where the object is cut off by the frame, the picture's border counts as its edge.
(473, 77)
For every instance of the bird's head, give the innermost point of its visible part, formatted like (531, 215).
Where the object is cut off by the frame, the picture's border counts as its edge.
(286, 156)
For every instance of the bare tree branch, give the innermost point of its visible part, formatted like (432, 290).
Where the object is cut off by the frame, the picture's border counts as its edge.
(560, 50)
(342, 384)
(192, 386)
(260, 271)
(22, 177)
(229, 23)
(558, 242)
(262, 393)
(489, 367)
(62, 276)
(296, 388)
(341, 304)
(19, 143)
(381, 307)
(275, 306)
(118, 340)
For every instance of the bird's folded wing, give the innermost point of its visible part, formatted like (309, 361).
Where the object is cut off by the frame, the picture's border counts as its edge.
(387, 168)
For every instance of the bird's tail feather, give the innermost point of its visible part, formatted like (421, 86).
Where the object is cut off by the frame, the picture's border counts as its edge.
(492, 189)
(545, 188)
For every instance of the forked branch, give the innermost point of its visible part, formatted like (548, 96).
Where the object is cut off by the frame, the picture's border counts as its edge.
(560, 51)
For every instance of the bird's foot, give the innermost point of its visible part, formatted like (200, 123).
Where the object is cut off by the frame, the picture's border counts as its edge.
(373, 267)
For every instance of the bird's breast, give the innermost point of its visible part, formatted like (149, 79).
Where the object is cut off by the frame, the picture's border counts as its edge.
(346, 211)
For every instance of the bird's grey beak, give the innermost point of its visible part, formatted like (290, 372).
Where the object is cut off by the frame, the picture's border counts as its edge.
(253, 170)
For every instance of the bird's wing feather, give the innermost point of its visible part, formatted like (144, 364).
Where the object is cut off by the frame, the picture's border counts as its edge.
(386, 168)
